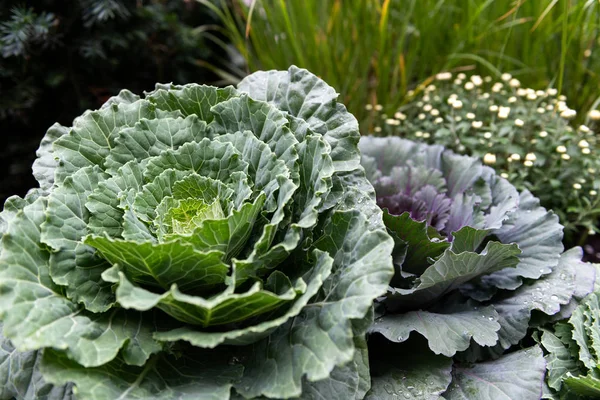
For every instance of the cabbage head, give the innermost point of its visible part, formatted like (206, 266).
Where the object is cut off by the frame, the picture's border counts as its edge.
(195, 243)
(477, 264)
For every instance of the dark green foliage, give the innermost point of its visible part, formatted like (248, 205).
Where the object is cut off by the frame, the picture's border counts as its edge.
(58, 58)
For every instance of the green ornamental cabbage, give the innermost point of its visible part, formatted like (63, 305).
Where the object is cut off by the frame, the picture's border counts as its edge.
(197, 243)
(475, 263)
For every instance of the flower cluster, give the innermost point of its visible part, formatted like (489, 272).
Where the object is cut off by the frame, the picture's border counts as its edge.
(525, 134)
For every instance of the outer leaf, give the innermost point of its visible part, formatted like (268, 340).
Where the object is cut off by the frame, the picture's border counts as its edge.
(452, 270)
(45, 164)
(516, 376)
(587, 386)
(37, 315)
(408, 373)
(539, 236)
(193, 376)
(309, 98)
(448, 331)
(150, 137)
(321, 336)
(21, 378)
(559, 360)
(72, 263)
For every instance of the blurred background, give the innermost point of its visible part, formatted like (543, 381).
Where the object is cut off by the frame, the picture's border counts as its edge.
(59, 58)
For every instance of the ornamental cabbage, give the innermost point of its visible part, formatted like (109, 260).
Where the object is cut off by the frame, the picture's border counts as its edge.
(474, 262)
(197, 243)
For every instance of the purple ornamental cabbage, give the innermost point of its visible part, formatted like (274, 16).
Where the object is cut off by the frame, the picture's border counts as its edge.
(475, 261)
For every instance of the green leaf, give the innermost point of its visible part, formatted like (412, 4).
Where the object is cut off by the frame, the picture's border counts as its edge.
(163, 264)
(421, 247)
(224, 308)
(72, 263)
(93, 135)
(515, 376)
(207, 158)
(191, 99)
(150, 137)
(309, 98)
(21, 377)
(452, 270)
(558, 361)
(402, 374)
(321, 268)
(539, 236)
(45, 164)
(194, 375)
(448, 330)
(588, 386)
(268, 124)
(546, 294)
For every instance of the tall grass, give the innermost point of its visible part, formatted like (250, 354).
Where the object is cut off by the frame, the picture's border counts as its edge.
(374, 51)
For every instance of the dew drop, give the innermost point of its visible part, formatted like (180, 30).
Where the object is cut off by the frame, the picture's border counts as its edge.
(407, 395)
(490, 318)
(554, 297)
(388, 388)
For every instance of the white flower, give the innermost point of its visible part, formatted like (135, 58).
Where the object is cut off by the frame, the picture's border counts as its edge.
(565, 156)
(430, 88)
(593, 192)
(487, 79)
(515, 157)
(369, 107)
(562, 97)
(512, 99)
(530, 157)
(476, 124)
(427, 107)
(458, 82)
(392, 122)
(400, 116)
(531, 96)
(378, 107)
(549, 107)
(435, 112)
(439, 120)
(543, 134)
(586, 151)
(461, 76)
(421, 116)
(457, 104)
(497, 87)
(540, 93)
(576, 186)
(469, 86)
(426, 98)
(444, 76)
(519, 122)
(377, 129)
(521, 92)
(503, 112)
(426, 135)
(457, 118)
(583, 143)
(568, 113)
(561, 149)
(584, 128)
(514, 83)
(418, 134)
(506, 77)
(594, 115)
(493, 108)
(552, 92)
(489, 159)
(562, 106)
(470, 116)
(528, 163)
(487, 135)
(476, 79)
(504, 175)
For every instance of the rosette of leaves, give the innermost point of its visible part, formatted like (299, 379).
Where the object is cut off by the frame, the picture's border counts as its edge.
(573, 351)
(195, 243)
(474, 261)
